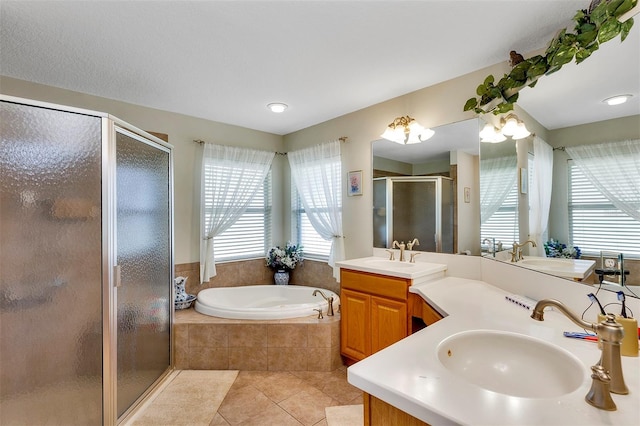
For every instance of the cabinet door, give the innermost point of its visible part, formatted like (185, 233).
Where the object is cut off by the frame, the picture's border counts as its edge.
(388, 322)
(355, 325)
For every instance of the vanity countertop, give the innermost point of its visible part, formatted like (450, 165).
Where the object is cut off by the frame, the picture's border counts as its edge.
(419, 272)
(409, 376)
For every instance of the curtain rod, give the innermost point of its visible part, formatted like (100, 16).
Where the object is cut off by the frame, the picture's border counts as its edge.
(560, 148)
(341, 139)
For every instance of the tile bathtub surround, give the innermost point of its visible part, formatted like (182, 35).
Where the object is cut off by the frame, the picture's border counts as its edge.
(300, 344)
(251, 272)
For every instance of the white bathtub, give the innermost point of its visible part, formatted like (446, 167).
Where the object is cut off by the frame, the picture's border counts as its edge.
(263, 302)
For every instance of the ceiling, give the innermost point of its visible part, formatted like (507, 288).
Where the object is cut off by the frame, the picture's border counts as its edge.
(226, 60)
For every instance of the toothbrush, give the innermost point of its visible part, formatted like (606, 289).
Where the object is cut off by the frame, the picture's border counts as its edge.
(583, 336)
(593, 298)
(622, 298)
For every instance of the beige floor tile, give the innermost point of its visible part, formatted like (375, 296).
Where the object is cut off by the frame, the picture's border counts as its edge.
(341, 390)
(272, 416)
(218, 420)
(308, 406)
(279, 386)
(243, 403)
(322, 422)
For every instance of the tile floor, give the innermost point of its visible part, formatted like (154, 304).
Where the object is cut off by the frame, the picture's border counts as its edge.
(285, 398)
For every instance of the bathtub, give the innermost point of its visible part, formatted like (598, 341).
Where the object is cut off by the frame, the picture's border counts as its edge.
(263, 302)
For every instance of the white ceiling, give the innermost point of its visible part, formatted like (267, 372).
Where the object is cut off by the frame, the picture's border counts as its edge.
(225, 60)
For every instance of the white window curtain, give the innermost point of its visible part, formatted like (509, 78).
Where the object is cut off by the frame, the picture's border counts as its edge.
(540, 194)
(614, 169)
(231, 177)
(316, 173)
(498, 175)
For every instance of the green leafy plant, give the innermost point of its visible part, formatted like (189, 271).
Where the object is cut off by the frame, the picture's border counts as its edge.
(592, 28)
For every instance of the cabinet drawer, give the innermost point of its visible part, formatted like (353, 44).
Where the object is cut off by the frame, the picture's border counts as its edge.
(379, 285)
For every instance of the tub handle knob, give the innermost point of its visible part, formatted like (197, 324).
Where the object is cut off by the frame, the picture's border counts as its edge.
(319, 313)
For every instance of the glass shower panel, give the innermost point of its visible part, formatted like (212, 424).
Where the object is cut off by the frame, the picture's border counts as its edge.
(414, 213)
(447, 206)
(50, 267)
(144, 256)
(380, 213)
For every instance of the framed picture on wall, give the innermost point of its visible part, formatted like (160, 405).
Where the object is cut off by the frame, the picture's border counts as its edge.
(354, 182)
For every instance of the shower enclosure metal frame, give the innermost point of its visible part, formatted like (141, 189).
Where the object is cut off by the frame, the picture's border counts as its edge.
(110, 272)
(389, 207)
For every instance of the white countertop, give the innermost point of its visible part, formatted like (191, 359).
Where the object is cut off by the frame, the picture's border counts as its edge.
(409, 376)
(419, 272)
(578, 269)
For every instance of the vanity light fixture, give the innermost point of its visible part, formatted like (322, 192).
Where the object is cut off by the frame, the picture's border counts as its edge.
(514, 127)
(617, 100)
(491, 134)
(277, 107)
(405, 131)
(510, 126)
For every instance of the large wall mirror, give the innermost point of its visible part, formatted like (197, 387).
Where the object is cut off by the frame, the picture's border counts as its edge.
(421, 190)
(569, 106)
(565, 109)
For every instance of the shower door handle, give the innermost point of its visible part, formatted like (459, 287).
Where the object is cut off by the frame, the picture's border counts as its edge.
(117, 276)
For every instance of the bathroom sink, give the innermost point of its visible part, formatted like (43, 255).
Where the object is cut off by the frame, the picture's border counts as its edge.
(381, 263)
(511, 364)
(577, 269)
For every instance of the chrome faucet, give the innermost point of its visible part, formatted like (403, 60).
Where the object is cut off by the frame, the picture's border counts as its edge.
(328, 299)
(516, 253)
(492, 245)
(410, 244)
(401, 246)
(609, 333)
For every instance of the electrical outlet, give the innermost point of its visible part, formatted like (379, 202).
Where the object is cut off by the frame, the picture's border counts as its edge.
(610, 263)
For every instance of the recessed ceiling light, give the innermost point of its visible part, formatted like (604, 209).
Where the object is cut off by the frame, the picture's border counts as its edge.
(617, 100)
(277, 107)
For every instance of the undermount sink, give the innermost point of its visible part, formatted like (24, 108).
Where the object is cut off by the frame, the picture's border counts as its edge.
(577, 269)
(511, 364)
(381, 263)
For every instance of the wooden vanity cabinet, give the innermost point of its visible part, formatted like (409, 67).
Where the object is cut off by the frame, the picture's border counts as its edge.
(374, 313)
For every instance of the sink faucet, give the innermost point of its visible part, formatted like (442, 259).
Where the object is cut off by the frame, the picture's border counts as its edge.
(610, 334)
(516, 253)
(492, 245)
(401, 246)
(329, 302)
(412, 243)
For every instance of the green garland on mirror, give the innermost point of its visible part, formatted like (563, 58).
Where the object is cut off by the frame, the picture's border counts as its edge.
(594, 26)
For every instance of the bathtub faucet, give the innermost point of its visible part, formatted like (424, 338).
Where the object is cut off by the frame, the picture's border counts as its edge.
(328, 299)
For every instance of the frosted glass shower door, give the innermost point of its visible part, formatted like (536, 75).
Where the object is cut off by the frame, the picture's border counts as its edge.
(143, 200)
(50, 267)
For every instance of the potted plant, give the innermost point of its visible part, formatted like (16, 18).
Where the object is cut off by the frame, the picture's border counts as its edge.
(284, 260)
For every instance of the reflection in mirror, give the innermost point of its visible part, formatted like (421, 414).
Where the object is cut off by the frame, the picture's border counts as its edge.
(498, 196)
(586, 217)
(414, 208)
(448, 166)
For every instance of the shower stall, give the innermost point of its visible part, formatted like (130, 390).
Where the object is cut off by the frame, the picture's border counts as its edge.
(86, 264)
(411, 207)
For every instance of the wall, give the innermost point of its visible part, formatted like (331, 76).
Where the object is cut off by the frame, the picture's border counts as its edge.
(468, 213)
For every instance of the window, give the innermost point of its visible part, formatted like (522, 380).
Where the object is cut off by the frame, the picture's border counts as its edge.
(595, 224)
(503, 224)
(250, 236)
(314, 246)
